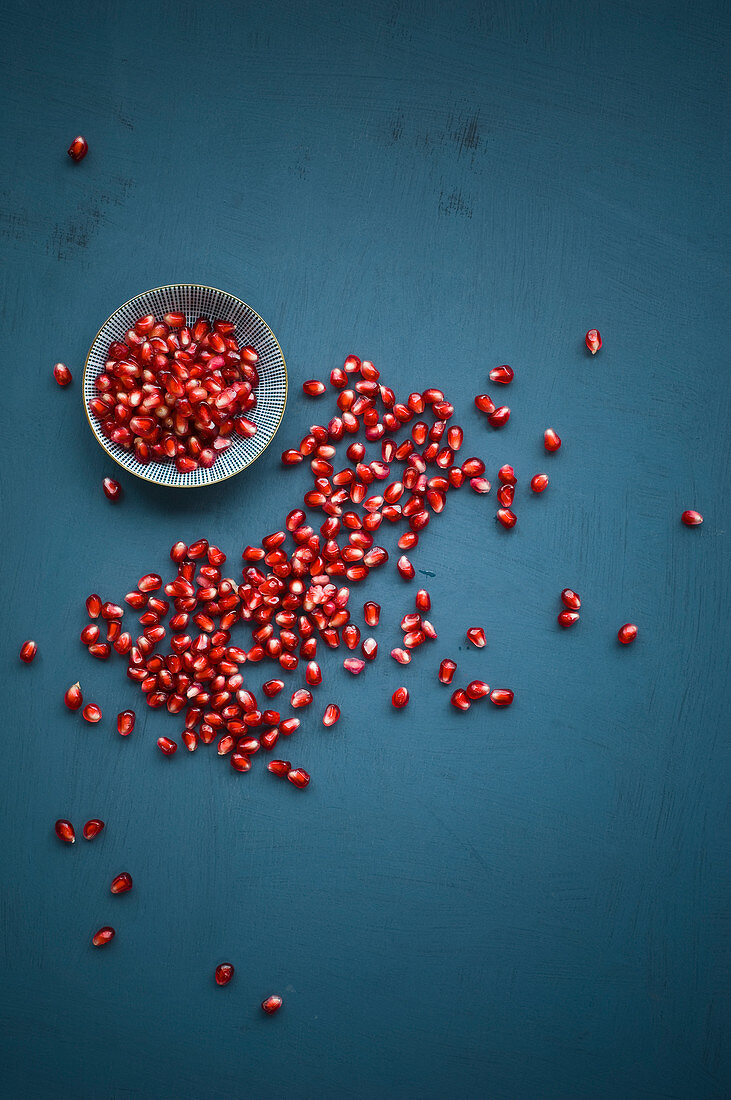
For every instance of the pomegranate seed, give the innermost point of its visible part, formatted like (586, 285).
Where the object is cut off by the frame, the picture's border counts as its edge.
(298, 777)
(353, 665)
(400, 697)
(501, 697)
(190, 740)
(125, 722)
(313, 388)
(477, 689)
(301, 698)
(506, 517)
(92, 713)
(371, 613)
(62, 374)
(627, 633)
(505, 495)
(568, 618)
(226, 744)
(65, 831)
(240, 762)
(485, 403)
(593, 340)
(476, 635)
(506, 474)
(551, 441)
(104, 936)
(571, 599)
(331, 715)
(369, 649)
(92, 828)
(460, 700)
(167, 746)
(121, 883)
(405, 568)
(150, 582)
(692, 519)
(447, 669)
(273, 1004)
(78, 148)
(224, 973)
(313, 674)
(288, 726)
(539, 482)
(423, 600)
(28, 651)
(279, 767)
(73, 697)
(401, 655)
(272, 687)
(480, 484)
(93, 606)
(473, 467)
(502, 374)
(112, 489)
(500, 417)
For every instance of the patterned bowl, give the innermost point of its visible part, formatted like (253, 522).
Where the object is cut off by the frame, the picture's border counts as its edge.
(197, 301)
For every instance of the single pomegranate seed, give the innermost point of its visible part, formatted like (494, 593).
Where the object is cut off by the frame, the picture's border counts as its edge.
(298, 777)
(627, 633)
(568, 618)
(279, 767)
(480, 484)
(313, 388)
(112, 489)
(551, 441)
(150, 582)
(473, 467)
(167, 746)
(104, 936)
(65, 831)
(190, 740)
(460, 700)
(692, 519)
(506, 517)
(505, 495)
(331, 715)
(28, 651)
(501, 697)
(351, 635)
(405, 568)
(371, 613)
(121, 883)
(353, 665)
(485, 403)
(400, 697)
(174, 320)
(73, 697)
(62, 374)
(506, 474)
(477, 689)
(476, 635)
(423, 600)
(288, 726)
(571, 599)
(369, 648)
(401, 655)
(500, 417)
(125, 722)
(593, 340)
(240, 762)
(503, 374)
(92, 713)
(301, 698)
(539, 482)
(78, 148)
(224, 973)
(273, 1004)
(447, 669)
(313, 674)
(93, 605)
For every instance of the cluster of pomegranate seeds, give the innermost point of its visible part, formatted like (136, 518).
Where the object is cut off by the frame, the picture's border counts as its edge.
(28, 651)
(62, 374)
(78, 148)
(593, 340)
(172, 393)
(571, 602)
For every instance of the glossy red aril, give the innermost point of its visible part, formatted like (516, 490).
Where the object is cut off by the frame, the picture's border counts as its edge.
(369, 649)
(401, 655)
(503, 374)
(371, 613)
(567, 618)
(405, 568)
(539, 482)
(78, 148)
(476, 635)
(477, 689)
(112, 489)
(121, 883)
(400, 697)
(125, 722)
(460, 699)
(313, 674)
(240, 761)
(94, 606)
(485, 403)
(627, 633)
(62, 374)
(353, 665)
(480, 485)
(506, 474)
(298, 777)
(167, 746)
(505, 495)
(313, 388)
(422, 600)
(224, 973)
(551, 440)
(28, 651)
(499, 417)
(447, 669)
(73, 697)
(501, 697)
(92, 713)
(281, 768)
(331, 715)
(104, 936)
(301, 698)
(691, 518)
(570, 599)
(593, 340)
(272, 1004)
(92, 828)
(506, 517)
(65, 831)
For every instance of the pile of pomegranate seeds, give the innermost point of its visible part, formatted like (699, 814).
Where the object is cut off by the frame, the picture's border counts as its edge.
(173, 393)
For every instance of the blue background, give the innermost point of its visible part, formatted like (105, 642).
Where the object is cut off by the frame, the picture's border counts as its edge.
(510, 903)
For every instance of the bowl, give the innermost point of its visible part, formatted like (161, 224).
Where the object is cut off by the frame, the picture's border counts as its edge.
(197, 301)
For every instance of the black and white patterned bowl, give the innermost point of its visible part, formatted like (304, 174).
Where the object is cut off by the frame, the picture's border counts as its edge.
(271, 394)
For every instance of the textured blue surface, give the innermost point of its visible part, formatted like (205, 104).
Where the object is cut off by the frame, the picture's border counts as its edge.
(505, 904)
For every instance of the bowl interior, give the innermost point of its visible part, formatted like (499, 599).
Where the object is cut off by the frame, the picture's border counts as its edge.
(197, 301)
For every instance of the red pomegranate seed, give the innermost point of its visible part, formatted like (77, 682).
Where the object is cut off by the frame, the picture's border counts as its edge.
(190, 740)
(167, 746)
(272, 688)
(313, 674)
(401, 655)
(298, 777)
(92, 828)
(65, 831)
(423, 600)
(93, 605)
(28, 651)
(226, 744)
(568, 618)
(121, 883)
(224, 973)
(627, 633)
(551, 441)
(571, 599)
(301, 698)
(501, 697)
(313, 388)
(473, 467)
(369, 648)
(692, 519)
(273, 1004)
(485, 403)
(288, 726)
(506, 517)
(506, 474)
(593, 340)
(539, 482)
(503, 374)
(112, 489)
(73, 697)
(104, 936)
(477, 689)
(405, 568)
(78, 148)
(371, 613)
(480, 484)
(505, 495)
(476, 635)
(353, 665)
(279, 767)
(240, 762)
(62, 374)
(125, 722)
(460, 700)
(447, 669)
(331, 715)
(400, 697)
(91, 712)
(150, 582)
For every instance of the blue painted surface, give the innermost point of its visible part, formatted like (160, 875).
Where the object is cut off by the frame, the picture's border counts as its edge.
(505, 904)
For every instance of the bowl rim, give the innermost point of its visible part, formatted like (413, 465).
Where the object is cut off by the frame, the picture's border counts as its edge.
(152, 480)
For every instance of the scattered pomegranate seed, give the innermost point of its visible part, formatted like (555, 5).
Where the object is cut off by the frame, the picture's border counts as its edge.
(224, 973)
(405, 568)
(28, 651)
(539, 482)
(505, 495)
(401, 655)
(400, 697)
(73, 697)
(502, 374)
(104, 936)
(571, 599)
(447, 669)
(298, 777)
(301, 698)
(78, 148)
(480, 484)
(112, 489)
(313, 388)
(501, 697)
(506, 474)
(485, 403)
(65, 831)
(477, 689)
(476, 635)
(331, 715)
(121, 883)
(281, 768)
(167, 746)
(92, 828)
(506, 517)
(273, 1004)
(551, 440)
(94, 606)
(369, 649)
(62, 374)
(353, 665)
(371, 613)
(593, 340)
(240, 762)
(568, 618)
(692, 519)
(627, 633)
(499, 417)
(125, 722)
(423, 600)
(460, 700)
(313, 674)
(92, 713)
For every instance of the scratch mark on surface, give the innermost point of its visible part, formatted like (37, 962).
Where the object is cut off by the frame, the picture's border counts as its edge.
(454, 204)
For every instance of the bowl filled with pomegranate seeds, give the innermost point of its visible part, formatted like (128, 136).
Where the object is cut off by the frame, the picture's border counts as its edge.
(185, 385)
